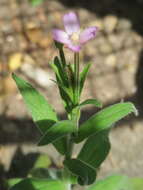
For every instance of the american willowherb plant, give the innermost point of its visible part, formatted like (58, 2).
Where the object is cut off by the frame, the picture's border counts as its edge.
(64, 134)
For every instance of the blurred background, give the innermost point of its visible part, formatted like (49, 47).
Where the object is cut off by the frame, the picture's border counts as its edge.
(116, 75)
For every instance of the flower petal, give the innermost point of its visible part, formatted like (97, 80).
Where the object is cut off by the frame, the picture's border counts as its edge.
(74, 48)
(60, 36)
(71, 23)
(88, 34)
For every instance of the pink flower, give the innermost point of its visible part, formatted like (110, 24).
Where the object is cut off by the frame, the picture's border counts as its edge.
(73, 37)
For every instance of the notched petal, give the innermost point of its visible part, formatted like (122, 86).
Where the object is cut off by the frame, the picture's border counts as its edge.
(71, 23)
(74, 48)
(88, 34)
(60, 36)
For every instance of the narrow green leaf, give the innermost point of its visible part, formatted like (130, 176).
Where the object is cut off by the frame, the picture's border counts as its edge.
(95, 149)
(104, 119)
(41, 110)
(136, 183)
(95, 102)
(61, 145)
(61, 72)
(13, 181)
(83, 76)
(57, 131)
(63, 83)
(66, 90)
(86, 174)
(43, 161)
(40, 184)
(36, 2)
(59, 46)
(112, 183)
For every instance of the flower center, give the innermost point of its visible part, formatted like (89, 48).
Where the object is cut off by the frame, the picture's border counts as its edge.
(75, 37)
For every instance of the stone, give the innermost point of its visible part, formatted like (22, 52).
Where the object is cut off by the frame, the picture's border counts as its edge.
(124, 24)
(40, 76)
(97, 22)
(105, 48)
(111, 60)
(110, 23)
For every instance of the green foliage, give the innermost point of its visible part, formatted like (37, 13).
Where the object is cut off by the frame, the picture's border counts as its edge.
(95, 102)
(136, 183)
(57, 131)
(86, 174)
(118, 182)
(36, 2)
(83, 76)
(39, 184)
(63, 82)
(13, 181)
(42, 161)
(104, 119)
(115, 182)
(95, 149)
(42, 113)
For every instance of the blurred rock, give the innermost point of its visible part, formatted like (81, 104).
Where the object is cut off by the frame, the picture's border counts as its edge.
(111, 60)
(105, 47)
(98, 23)
(38, 75)
(110, 23)
(15, 61)
(124, 24)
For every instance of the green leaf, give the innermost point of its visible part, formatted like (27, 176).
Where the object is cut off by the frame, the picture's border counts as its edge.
(104, 119)
(11, 182)
(112, 183)
(95, 102)
(46, 173)
(41, 110)
(95, 149)
(60, 72)
(83, 76)
(42, 161)
(61, 145)
(36, 2)
(40, 184)
(137, 183)
(63, 83)
(57, 131)
(86, 174)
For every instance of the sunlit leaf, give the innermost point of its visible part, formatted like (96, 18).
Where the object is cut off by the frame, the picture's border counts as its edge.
(95, 149)
(95, 102)
(36, 2)
(11, 182)
(42, 161)
(40, 184)
(42, 112)
(136, 183)
(58, 130)
(83, 76)
(104, 119)
(116, 182)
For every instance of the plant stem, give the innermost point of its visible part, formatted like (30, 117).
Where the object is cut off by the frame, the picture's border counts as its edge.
(76, 75)
(74, 116)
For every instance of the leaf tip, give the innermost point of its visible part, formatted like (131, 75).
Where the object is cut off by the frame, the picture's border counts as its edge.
(135, 110)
